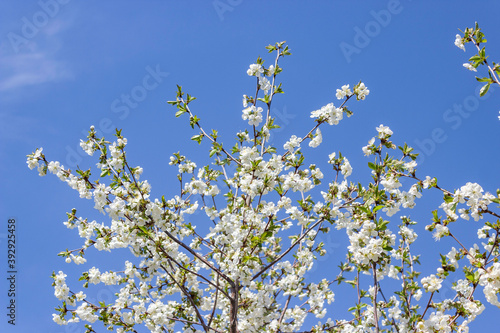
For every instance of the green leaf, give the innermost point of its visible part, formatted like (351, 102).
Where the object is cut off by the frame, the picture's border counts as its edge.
(482, 79)
(104, 173)
(270, 48)
(447, 198)
(475, 58)
(483, 53)
(435, 216)
(144, 231)
(197, 138)
(364, 209)
(214, 134)
(193, 121)
(484, 89)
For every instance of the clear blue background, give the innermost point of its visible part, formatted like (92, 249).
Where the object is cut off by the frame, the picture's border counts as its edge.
(71, 71)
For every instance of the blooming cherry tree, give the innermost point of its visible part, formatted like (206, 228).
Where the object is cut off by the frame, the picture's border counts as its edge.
(266, 206)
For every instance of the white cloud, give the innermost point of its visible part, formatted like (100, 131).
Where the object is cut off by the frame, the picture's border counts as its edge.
(31, 69)
(35, 63)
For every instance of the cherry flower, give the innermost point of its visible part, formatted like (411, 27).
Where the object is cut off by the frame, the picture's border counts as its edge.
(470, 67)
(459, 42)
(255, 70)
(343, 92)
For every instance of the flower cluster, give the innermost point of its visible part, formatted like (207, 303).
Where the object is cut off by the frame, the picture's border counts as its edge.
(258, 70)
(361, 91)
(253, 115)
(328, 113)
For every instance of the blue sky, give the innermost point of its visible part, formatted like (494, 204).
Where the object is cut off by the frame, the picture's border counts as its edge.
(66, 65)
